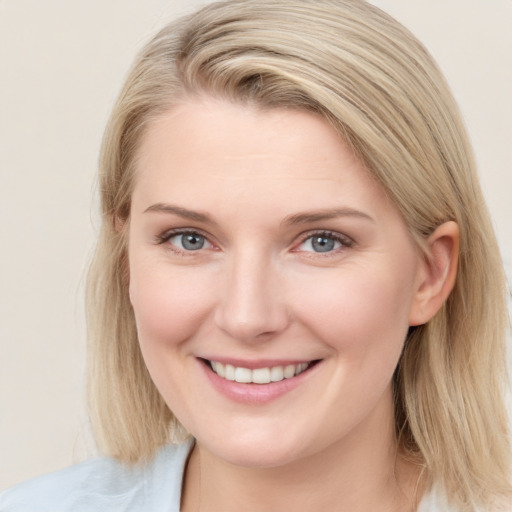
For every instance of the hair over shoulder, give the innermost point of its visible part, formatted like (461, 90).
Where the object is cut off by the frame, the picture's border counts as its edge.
(382, 92)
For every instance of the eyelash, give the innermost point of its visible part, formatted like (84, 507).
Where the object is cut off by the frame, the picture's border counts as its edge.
(344, 241)
(167, 235)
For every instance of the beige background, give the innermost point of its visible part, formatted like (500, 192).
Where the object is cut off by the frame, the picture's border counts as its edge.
(61, 65)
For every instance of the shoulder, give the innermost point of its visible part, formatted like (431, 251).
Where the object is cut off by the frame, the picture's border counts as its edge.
(104, 484)
(435, 501)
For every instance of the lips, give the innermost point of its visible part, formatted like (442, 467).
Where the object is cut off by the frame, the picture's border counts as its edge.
(251, 382)
(263, 375)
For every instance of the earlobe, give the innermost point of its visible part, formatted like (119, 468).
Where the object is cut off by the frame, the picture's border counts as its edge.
(437, 273)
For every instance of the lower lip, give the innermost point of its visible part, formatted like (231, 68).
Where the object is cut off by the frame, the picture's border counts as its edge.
(255, 394)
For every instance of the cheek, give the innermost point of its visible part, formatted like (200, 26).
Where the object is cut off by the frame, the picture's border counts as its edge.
(360, 312)
(168, 305)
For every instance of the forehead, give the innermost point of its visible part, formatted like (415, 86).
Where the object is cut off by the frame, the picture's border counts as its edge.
(215, 152)
(207, 127)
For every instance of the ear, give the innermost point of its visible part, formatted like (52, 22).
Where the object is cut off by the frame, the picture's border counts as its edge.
(437, 273)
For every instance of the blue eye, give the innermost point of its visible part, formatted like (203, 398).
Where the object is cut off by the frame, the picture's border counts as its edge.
(189, 241)
(322, 243)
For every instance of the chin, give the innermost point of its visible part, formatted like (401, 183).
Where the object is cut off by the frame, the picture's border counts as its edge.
(256, 450)
(256, 457)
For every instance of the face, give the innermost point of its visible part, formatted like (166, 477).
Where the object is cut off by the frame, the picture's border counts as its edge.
(272, 282)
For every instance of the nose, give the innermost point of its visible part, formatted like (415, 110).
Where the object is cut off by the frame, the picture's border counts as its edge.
(252, 306)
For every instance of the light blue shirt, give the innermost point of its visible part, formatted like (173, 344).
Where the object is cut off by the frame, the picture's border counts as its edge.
(104, 485)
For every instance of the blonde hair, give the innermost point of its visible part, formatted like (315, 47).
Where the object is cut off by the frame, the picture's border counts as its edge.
(379, 88)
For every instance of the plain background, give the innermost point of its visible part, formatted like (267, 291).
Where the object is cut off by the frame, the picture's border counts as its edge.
(61, 65)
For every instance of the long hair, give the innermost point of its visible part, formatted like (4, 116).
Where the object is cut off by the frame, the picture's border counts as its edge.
(382, 92)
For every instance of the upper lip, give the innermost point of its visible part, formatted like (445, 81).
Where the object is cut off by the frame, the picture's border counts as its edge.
(257, 363)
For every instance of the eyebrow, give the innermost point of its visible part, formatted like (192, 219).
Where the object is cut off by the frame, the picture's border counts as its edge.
(298, 218)
(180, 211)
(327, 214)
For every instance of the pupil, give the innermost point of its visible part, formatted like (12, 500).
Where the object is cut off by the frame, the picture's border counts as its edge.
(322, 244)
(192, 242)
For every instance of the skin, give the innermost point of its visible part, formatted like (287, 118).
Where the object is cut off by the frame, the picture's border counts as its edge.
(258, 289)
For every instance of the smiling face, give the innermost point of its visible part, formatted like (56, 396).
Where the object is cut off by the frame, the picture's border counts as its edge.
(262, 251)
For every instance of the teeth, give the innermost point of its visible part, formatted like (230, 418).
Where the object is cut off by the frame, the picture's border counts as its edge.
(276, 373)
(289, 371)
(220, 370)
(261, 375)
(243, 375)
(258, 375)
(229, 371)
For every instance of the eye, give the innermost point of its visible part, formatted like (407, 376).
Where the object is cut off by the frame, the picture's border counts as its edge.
(324, 242)
(189, 241)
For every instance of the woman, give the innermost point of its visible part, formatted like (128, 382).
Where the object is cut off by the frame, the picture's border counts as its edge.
(297, 271)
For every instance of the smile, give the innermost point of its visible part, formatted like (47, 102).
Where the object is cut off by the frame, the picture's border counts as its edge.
(263, 382)
(258, 375)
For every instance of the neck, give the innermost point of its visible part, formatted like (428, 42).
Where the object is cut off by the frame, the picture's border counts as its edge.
(360, 472)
